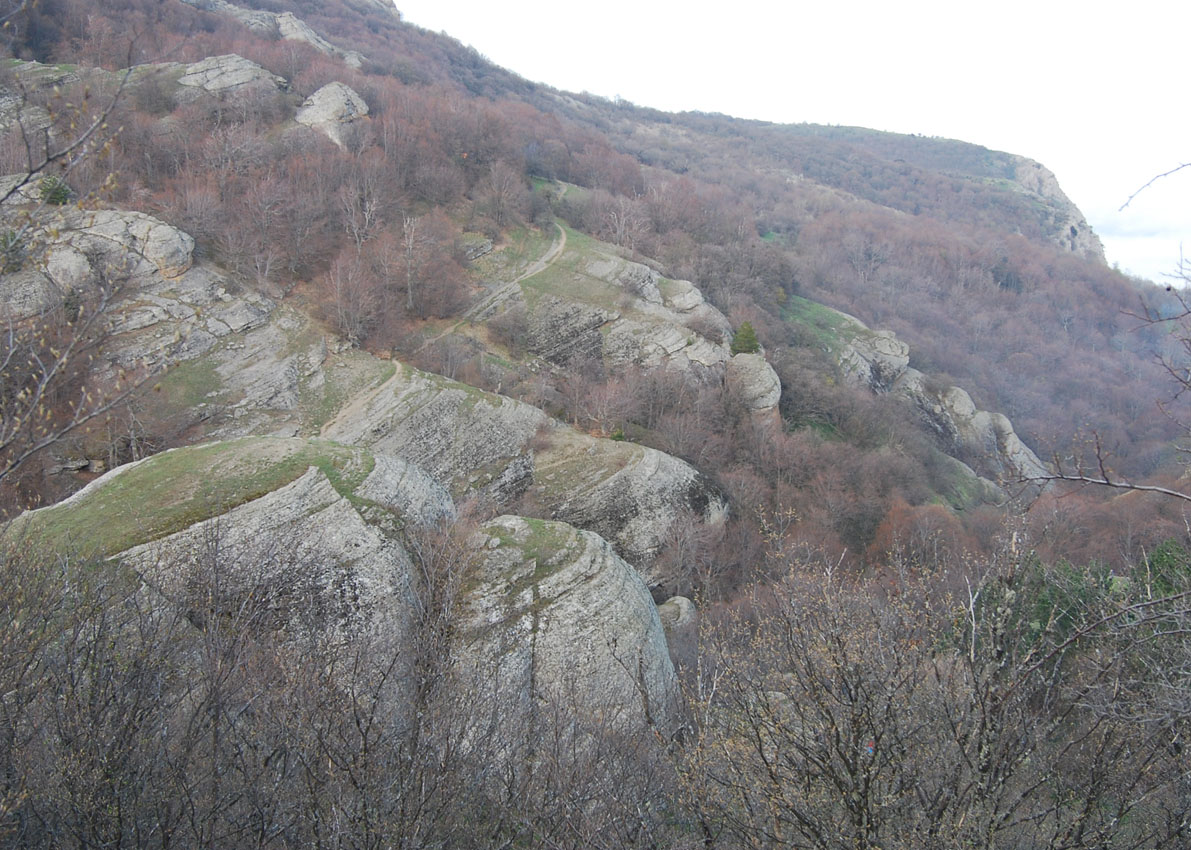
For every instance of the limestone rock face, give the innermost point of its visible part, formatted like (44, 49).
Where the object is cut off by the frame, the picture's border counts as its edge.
(752, 378)
(879, 361)
(547, 614)
(1074, 233)
(978, 433)
(283, 25)
(229, 73)
(490, 447)
(293, 28)
(468, 440)
(402, 486)
(303, 548)
(332, 108)
(628, 494)
(625, 314)
(166, 310)
(563, 331)
(875, 359)
(557, 617)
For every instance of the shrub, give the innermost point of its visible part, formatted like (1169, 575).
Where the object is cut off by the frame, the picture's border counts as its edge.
(745, 340)
(54, 190)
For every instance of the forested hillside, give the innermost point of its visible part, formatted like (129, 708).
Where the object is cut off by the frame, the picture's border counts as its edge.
(401, 389)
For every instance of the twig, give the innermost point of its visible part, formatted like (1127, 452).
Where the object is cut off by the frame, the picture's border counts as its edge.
(1151, 182)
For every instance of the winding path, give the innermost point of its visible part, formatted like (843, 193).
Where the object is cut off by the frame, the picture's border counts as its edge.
(505, 291)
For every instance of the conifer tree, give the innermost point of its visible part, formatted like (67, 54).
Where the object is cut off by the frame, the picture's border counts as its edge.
(745, 340)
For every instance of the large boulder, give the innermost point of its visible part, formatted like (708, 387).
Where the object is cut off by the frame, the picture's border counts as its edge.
(332, 108)
(230, 74)
(754, 381)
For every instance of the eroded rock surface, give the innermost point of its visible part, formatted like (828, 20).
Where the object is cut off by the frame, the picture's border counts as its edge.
(754, 381)
(302, 550)
(229, 73)
(557, 617)
(486, 446)
(331, 109)
(628, 315)
(628, 494)
(1073, 232)
(879, 361)
(283, 25)
(547, 615)
(469, 440)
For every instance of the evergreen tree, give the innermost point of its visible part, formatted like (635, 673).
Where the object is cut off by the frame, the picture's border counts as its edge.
(745, 340)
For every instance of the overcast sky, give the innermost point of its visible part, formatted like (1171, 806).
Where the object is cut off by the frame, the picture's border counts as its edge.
(1097, 92)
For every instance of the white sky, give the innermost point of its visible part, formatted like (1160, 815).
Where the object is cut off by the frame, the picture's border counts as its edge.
(1096, 91)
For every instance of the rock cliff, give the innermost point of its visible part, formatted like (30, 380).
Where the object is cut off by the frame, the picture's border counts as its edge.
(284, 25)
(556, 616)
(313, 536)
(1072, 231)
(879, 361)
(498, 450)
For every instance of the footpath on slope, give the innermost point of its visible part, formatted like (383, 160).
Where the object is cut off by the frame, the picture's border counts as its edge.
(505, 291)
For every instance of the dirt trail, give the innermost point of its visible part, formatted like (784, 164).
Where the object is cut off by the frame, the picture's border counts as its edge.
(502, 293)
(360, 400)
(506, 290)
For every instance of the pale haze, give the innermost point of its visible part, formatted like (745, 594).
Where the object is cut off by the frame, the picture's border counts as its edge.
(1096, 92)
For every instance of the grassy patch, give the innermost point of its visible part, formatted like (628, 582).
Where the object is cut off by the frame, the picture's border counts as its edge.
(545, 548)
(522, 247)
(188, 384)
(318, 404)
(173, 490)
(567, 277)
(826, 328)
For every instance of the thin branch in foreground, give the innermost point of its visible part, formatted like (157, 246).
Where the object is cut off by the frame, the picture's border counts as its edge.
(1151, 182)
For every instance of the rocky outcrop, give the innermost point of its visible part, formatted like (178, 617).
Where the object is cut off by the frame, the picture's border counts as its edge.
(293, 28)
(626, 314)
(149, 265)
(331, 109)
(401, 486)
(677, 612)
(302, 551)
(875, 359)
(879, 361)
(628, 494)
(754, 382)
(485, 446)
(228, 74)
(1071, 230)
(471, 441)
(546, 615)
(557, 619)
(283, 25)
(987, 438)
